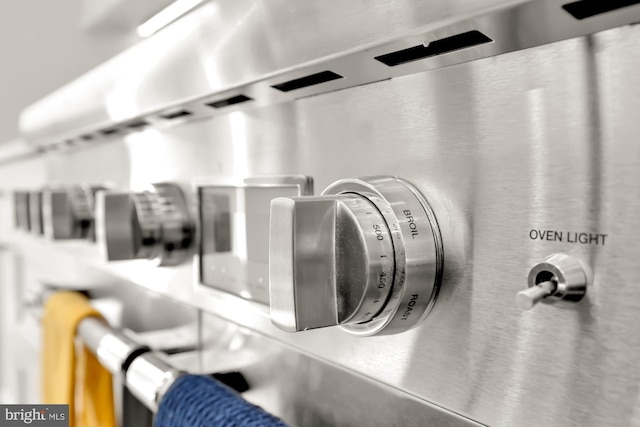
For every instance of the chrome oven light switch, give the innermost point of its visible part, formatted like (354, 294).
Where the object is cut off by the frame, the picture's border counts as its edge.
(67, 212)
(559, 277)
(154, 225)
(365, 255)
(525, 300)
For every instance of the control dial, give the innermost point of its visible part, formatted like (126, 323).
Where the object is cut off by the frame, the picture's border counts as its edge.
(68, 212)
(154, 225)
(35, 213)
(365, 255)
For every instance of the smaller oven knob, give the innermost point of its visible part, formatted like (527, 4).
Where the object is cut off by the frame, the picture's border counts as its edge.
(35, 213)
(154, 225)
(366, 255)
(67, 212)
(22, 214)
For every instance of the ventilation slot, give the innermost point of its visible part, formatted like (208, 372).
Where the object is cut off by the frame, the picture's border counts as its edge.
(107, 132)
(138, 124)
(176, 114)
(86, 137)
(229, 101)
(588, 8)
(313, 79)
(435, 48)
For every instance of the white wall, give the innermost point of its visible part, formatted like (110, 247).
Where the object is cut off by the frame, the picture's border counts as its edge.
(42, 47)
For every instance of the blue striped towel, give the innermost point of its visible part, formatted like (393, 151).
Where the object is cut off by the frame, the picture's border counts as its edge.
(199, 401)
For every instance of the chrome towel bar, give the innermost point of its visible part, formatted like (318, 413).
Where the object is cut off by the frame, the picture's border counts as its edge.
(146, 375)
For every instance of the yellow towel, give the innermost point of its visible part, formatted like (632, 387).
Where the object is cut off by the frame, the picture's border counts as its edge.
(90, 396)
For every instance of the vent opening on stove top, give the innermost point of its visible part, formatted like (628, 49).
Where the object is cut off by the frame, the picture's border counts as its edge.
(306, 81)
(137, 124)
(176, 114)
(588, 8)
(435, 48)
(229, 101)
(109, 131)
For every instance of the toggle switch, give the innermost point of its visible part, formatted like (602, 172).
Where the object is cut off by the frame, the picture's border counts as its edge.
(525, 300)
(559, 277)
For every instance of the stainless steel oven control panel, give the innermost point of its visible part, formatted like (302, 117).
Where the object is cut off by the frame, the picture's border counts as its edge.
(527, 158)
(234, 231)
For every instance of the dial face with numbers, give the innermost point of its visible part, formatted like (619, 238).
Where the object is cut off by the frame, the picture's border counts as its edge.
(366, 255)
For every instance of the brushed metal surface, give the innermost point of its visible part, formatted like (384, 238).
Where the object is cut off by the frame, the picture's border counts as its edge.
(304, 391)
(222, 45)
(243, 49)
(539, 139)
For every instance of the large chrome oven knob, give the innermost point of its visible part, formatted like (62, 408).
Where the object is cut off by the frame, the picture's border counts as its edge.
(366, 255)
(335, 254)
(67, 212)
(154, 225)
